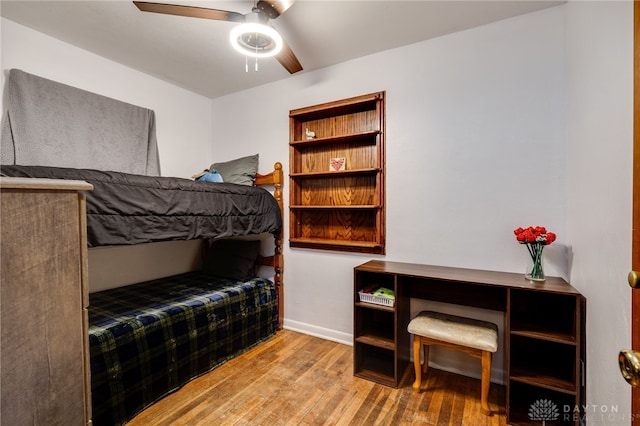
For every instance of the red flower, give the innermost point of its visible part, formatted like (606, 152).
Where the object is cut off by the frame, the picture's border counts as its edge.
(534, 235)
(535, 238)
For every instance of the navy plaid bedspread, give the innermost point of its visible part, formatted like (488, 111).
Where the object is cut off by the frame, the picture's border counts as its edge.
(148, 339)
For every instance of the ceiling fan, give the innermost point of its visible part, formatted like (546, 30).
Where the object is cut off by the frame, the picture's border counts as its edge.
(253, 38)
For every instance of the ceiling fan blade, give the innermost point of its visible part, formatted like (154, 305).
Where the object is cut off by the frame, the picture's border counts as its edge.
(288, 59)
(190, 11)
(274, 8)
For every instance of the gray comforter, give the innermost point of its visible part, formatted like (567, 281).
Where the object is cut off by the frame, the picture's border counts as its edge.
(131, 209)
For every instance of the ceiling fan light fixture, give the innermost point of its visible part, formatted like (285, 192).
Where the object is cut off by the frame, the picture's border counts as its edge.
(256, 40)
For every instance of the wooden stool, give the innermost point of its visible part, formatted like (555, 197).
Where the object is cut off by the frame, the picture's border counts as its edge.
(474, 337)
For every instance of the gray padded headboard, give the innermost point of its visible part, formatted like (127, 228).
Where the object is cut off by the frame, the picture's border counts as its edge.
(51, 124)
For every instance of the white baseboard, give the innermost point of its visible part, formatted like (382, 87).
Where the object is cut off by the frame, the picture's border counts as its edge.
(323, 333)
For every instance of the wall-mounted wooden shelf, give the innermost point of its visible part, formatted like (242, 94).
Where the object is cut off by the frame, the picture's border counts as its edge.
(338, 209)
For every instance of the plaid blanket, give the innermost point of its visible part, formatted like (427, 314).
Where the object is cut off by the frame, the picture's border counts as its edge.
(148, 339)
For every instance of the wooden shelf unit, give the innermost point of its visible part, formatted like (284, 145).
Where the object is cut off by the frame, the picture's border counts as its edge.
(338, 210)
(378, 331)
(544, 343)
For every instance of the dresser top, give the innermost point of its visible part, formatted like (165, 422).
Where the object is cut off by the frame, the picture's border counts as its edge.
(48, 184)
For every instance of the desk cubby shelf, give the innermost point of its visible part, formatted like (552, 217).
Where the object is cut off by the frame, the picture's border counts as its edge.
(544, 342)
(374, 306)
(545, 335)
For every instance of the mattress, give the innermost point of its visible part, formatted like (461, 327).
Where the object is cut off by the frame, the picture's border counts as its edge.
(148, 339)
(125, 209)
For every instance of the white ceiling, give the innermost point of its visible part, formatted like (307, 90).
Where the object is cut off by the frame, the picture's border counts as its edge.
(195, 53)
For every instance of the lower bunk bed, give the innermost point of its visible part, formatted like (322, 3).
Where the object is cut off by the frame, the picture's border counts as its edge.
(148, 339)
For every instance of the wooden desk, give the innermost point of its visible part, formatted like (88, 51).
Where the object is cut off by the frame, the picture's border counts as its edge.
(544, 341)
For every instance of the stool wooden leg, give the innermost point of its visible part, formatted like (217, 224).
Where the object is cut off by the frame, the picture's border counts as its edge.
(425, 364)
(416, 363)
(486, 382)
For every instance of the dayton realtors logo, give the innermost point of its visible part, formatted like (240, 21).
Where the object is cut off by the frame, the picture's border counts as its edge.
(543, 410)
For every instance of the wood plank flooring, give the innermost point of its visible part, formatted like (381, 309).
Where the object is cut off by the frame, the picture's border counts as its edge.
(296, 379)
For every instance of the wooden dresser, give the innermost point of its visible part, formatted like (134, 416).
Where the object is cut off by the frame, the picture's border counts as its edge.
(44, 370)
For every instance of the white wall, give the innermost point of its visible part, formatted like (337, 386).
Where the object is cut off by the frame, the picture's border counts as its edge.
(183, 127)
(475, 147)
(183, 118)
(600, 158)
(526, 121)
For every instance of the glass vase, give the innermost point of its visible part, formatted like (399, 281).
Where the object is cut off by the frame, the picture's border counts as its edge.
(535, 271)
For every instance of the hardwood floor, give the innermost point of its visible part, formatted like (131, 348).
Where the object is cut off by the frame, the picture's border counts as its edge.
(296, 379)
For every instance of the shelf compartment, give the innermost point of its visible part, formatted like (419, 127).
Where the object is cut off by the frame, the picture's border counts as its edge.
(342, 107)
(365, 279)
(375, 324)
(544, 315)
(361, 154)
(343, 190)
(545, 364)
(460, 293)
(312, 175)
(335, 226)
(375, 364)
(523, 398)
(337, 126)
(344, 117)
(349, 138)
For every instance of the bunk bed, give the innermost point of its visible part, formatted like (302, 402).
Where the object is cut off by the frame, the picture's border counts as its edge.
(148, 339)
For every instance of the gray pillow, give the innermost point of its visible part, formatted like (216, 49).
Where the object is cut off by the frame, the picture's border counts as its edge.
(241, 170)
(233, 259)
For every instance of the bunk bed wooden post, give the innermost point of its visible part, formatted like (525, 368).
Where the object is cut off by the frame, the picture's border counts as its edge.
(276, 178)
(278, 264)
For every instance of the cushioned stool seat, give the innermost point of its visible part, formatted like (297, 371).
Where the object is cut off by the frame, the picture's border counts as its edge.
(474, 337)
